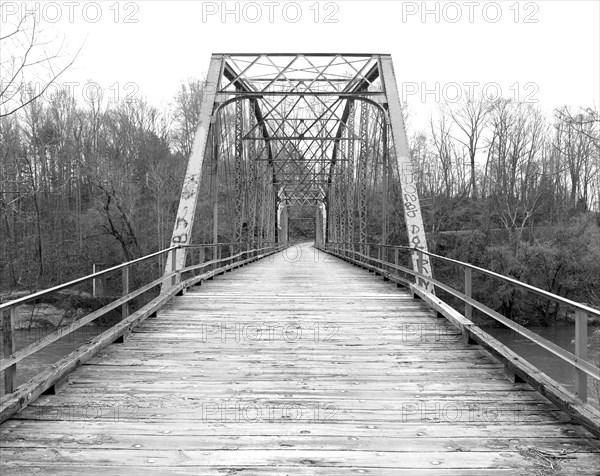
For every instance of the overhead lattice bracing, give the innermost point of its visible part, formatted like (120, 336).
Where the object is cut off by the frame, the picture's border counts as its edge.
(284, 130)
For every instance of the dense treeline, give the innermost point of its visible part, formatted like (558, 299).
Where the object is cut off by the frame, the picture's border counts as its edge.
(502, 186)
(91, 183)
(508, 189)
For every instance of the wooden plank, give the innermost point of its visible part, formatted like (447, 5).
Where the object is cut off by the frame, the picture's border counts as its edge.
(295, 470)
(123, 457)
(525, 371)
(391, 428)
(29, 391)
(517, 368)
(388, 396)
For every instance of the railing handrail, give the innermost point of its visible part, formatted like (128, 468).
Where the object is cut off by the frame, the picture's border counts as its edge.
(565, 355)
(381, 263)
(23, 299)
(41, 382)
(200, 245)
(59, 287)
(508, 279)
(19, 355)
(518, 283)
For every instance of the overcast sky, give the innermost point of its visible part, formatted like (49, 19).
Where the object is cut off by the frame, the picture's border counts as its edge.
(544, 51)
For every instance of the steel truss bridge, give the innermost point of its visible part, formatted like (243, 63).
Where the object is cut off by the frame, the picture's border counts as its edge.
(246, 353)
(282, 130)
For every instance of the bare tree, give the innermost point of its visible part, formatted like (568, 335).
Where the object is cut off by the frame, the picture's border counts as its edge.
(471, 118)
(29, 61)
(577, 143)
(586, 122)
(519, 138)
(442, 142)
(186, 114)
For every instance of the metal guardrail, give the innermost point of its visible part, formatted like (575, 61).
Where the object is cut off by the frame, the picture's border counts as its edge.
(361, 252)
(11, 357)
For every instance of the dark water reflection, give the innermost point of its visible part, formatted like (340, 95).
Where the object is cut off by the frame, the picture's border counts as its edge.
(548, 362)
(44, 358)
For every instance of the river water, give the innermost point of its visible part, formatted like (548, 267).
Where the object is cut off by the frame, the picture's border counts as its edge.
(547, 362)
(44, 358)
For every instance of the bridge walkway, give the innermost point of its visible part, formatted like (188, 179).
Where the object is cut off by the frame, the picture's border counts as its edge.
(297, 365)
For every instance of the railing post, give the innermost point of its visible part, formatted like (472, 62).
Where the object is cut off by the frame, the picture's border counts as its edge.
(419, 265)
(8, 341)
(397, 262)
(99, 284)
(386, 258)
(581, 353)
(174, 267)
(468, 292)
(125, 279)
(94, 281)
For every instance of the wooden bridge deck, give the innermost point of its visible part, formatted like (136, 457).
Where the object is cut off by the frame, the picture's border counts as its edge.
(295, 367)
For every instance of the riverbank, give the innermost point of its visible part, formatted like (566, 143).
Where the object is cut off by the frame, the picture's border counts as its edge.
(59, 309)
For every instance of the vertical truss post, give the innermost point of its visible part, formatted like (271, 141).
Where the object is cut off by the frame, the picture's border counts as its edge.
(350, 173)
(260, 201)
(215, 183)
(334, 212)
(362, 179)
(318, 225)
(274, 218)
(284, 223)
(265, 212)
(269, 213)
(325, 224)
(385, 182)
(252, 183)
(184, 221)
(410, 197)
(324, 218)
(343, 187)
(239, 151)
(279, 220)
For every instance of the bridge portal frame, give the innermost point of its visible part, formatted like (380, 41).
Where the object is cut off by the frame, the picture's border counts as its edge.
(234, 71)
